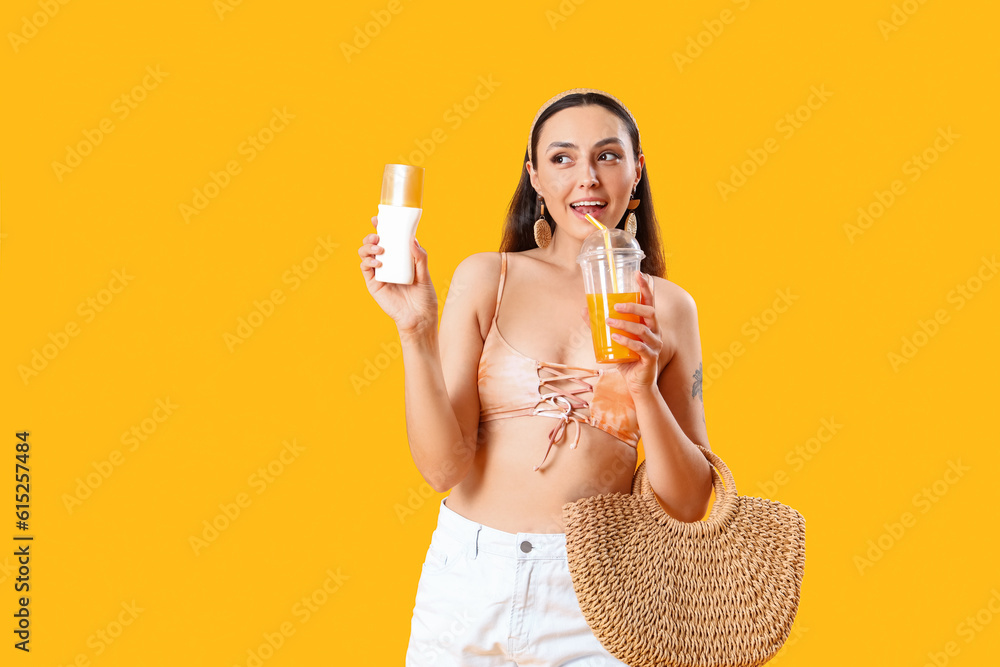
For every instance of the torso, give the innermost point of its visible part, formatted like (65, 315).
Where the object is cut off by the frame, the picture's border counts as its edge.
(540, 317)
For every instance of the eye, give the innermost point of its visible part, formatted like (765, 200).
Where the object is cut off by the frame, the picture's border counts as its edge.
(612, 156)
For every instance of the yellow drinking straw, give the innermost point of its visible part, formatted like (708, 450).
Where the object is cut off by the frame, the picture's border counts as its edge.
(607, 246)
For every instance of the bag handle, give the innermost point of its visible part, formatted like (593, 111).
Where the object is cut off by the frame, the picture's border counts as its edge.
(722, 509)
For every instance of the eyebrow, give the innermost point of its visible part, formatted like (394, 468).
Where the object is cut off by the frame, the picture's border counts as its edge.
(602, 142)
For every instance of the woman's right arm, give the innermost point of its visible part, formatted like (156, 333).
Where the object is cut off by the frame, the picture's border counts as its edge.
(441, 392)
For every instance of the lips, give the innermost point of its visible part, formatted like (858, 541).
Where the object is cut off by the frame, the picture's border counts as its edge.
(595, 211)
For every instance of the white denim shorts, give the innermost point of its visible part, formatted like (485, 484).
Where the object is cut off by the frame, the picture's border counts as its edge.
(488, 597)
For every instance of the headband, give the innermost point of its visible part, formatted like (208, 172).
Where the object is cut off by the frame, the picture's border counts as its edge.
(573, 91)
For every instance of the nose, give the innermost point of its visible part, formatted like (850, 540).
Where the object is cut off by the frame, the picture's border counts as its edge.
(589, 175)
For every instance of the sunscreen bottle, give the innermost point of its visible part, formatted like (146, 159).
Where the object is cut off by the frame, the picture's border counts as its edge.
(398, 214)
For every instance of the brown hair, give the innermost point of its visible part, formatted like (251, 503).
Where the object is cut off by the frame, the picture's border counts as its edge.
(518, 230)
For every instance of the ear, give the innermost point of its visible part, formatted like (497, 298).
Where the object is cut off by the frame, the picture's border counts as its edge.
(532, 175)
(638, 167)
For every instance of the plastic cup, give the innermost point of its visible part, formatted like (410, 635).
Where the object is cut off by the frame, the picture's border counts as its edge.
(603, 270)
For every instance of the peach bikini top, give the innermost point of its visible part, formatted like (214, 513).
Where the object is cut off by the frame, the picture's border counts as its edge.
(512, 385)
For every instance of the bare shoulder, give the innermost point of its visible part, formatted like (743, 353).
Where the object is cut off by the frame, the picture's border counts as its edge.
(677, 313)
(474, 273)
(475, 284)
(670, 298)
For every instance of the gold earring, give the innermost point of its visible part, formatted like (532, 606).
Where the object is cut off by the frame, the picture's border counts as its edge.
(543, 233)
(630, 222)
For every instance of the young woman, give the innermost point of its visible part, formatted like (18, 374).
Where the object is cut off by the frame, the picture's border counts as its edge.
(489, 399)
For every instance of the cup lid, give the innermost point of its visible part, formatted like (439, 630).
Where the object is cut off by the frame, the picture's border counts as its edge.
(622, 244)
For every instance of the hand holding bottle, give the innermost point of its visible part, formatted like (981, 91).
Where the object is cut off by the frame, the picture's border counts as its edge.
(413, 307)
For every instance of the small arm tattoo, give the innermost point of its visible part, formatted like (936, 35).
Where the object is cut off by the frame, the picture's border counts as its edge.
(696, 391)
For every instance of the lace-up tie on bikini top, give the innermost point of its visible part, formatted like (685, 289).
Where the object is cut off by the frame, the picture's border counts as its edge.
(512, 384)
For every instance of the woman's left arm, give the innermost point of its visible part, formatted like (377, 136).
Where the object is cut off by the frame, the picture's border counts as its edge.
(671, 415)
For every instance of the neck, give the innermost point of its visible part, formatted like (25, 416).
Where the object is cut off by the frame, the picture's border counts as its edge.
(563, 251)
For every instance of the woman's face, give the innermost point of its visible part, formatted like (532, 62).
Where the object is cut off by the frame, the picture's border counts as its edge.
(584, 154)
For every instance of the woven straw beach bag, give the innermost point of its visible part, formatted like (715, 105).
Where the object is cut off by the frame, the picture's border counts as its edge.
(658, 591)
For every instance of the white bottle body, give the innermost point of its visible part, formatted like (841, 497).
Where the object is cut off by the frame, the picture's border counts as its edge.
(397, 227)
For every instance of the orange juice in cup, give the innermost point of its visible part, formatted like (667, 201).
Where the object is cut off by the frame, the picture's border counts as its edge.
(600, 307)
(609, 259)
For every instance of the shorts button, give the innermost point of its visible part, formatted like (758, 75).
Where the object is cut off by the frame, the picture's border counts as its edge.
(526, 546)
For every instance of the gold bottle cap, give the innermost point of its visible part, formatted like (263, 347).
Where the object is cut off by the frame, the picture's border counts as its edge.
(402, 185)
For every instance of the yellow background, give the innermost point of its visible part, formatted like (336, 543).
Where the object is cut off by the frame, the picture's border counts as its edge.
(334, 506)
